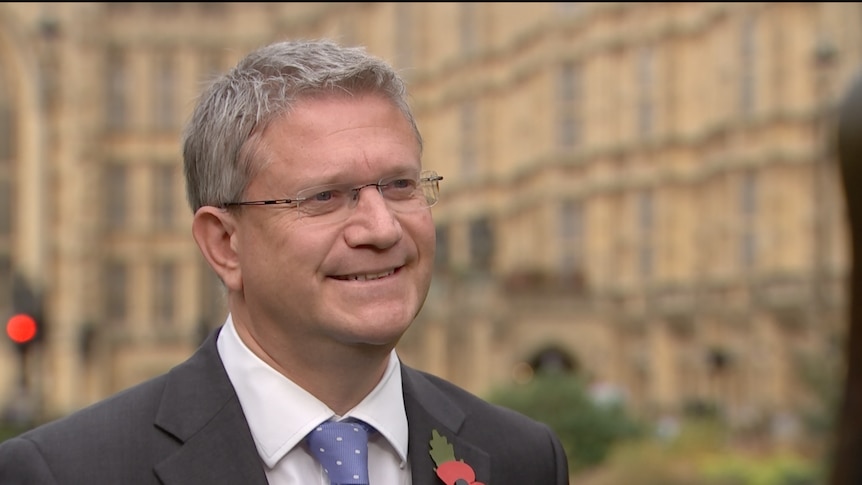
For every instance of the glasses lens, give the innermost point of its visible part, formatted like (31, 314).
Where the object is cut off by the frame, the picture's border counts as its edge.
(430, 183)
(334, 203)
(325, 203)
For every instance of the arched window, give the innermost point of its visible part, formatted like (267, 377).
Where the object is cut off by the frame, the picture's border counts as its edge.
(551, 360)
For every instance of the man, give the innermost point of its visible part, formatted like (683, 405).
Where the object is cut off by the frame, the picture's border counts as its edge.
(303, 168)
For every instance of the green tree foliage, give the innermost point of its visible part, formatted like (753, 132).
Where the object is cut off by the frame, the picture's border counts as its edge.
(780, 469)
(701, 454)
(8, 431)
(587, 429)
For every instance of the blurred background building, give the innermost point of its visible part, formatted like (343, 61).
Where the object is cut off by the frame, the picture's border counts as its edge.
(640, 193)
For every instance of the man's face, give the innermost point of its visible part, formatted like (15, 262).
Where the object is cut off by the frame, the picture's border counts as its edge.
(360, 280)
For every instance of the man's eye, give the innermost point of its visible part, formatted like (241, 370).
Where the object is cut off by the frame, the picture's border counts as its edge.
(402, 184)
(324, 196)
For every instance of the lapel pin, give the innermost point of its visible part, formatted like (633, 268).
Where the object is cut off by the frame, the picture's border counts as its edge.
(449, 469)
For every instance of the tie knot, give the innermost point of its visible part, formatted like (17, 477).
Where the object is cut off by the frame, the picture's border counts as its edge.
(341, 447)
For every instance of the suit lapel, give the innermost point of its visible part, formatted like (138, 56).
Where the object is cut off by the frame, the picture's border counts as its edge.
(428, 409)
(200, 409)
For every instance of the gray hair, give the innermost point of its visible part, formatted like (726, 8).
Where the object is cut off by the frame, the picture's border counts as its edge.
(221, 143)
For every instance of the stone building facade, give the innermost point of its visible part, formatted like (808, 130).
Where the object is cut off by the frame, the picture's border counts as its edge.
(641, 193)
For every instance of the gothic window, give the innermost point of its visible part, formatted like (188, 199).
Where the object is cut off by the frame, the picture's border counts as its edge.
(116, 87)
(165, 92)
(114, 291)
(646, 92)
(164, 196)
(748, 61)
(469, 141)
(748, 207)
(164, 291)
(646, 233)
(481, 244)
(569, 106)
(116, 193)
(571, 239)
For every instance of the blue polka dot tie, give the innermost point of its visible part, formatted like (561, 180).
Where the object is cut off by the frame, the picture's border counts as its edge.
(342, 450)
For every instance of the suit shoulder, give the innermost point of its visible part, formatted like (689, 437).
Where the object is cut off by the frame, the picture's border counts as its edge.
(117, 434)
(116, 412)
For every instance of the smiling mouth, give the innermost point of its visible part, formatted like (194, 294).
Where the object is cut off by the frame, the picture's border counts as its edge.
(365, 277)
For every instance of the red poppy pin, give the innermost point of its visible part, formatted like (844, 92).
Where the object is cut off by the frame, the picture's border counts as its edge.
(450, 470)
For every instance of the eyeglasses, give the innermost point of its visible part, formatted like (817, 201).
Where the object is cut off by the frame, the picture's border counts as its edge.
(333, 203)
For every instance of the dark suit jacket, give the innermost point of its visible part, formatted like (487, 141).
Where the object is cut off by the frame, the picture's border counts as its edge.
(187, 427)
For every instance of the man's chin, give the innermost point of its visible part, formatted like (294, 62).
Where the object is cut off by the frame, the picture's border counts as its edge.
(380, 333)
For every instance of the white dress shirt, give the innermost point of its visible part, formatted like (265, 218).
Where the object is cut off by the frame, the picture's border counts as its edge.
(280, 414)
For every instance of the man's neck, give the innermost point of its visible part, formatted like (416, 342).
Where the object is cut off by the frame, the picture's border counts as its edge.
(339, 375)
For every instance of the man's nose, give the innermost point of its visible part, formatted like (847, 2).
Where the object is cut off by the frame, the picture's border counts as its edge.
(372, 222)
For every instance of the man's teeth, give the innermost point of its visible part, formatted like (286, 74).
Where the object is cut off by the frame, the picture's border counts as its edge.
(367, 277)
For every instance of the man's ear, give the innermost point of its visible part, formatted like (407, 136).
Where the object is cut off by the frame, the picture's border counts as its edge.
(214, 230)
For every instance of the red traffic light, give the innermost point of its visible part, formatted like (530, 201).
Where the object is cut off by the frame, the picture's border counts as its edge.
(21, 328)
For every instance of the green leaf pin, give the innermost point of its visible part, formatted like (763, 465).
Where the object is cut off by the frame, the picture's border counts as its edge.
(441, 450)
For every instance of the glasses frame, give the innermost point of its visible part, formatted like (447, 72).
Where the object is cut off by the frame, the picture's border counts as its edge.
(425, 177)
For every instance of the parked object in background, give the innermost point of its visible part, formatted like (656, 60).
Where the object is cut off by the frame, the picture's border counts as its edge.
(847, 468)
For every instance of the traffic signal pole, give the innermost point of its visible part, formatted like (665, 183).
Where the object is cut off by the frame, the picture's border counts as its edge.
(25, 329)
(22, 329)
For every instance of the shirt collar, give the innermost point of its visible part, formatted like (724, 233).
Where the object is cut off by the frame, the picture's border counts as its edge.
(280, 413)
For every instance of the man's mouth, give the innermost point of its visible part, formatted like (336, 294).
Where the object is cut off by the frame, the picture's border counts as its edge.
(365, 277)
